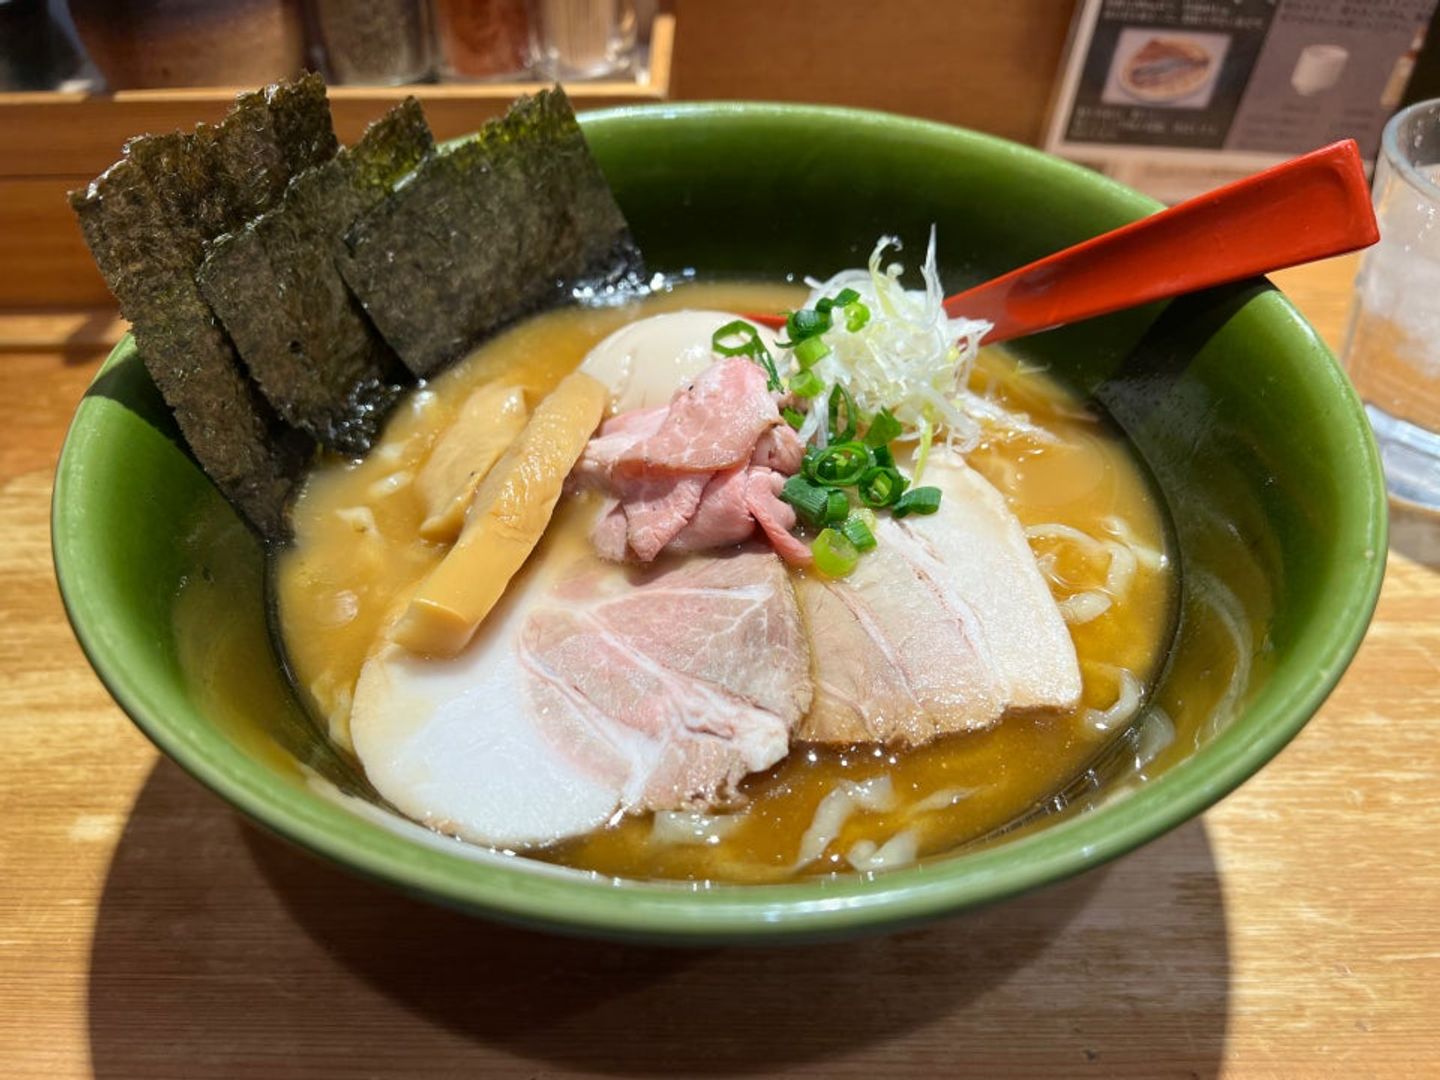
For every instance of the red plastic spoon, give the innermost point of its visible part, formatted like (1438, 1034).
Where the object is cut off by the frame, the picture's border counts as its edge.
(1312, 207)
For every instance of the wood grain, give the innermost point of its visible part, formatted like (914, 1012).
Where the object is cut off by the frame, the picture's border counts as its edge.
(146, 931)
(43, 257)
(988, 66)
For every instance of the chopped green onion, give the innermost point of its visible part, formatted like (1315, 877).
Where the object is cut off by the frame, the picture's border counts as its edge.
(747, 334)
(858, 532)
(881, 485)
(837, 507)
(806, 323)
(883, 456)
(921, 500)
(806, 384)
(811, 501)
(750, 346)
(883, 428)
(839, 396)
(840, 464)
(810, 352)
(835, 556)
(793, 417)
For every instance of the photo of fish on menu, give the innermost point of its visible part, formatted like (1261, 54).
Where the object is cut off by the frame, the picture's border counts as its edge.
(1178, 96)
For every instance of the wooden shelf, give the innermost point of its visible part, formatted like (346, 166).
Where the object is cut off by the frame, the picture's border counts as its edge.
(58, 141)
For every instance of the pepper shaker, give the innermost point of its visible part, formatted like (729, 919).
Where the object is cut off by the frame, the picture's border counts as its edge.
(373, 41)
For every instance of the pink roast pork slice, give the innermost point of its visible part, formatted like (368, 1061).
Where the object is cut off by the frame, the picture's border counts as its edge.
(594, 689)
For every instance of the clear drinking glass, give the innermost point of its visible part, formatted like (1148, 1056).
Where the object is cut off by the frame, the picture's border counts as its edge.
(482, 40)
(1392, 345)
(583, 39)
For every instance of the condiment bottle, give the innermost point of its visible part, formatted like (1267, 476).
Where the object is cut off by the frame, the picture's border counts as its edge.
(584, 39)
(482, 39)
(373, 41)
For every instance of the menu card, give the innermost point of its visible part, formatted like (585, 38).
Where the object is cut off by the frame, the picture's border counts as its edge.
(1177, 96)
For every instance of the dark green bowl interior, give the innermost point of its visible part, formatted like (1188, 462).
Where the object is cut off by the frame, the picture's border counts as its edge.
(1240, 412)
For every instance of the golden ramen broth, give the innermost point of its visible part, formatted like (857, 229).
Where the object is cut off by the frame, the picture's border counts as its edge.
(357, 554)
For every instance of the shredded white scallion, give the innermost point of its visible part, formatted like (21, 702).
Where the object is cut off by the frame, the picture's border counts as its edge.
(909, 357)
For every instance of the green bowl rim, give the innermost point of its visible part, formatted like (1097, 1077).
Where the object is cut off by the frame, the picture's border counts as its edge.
(685, 913)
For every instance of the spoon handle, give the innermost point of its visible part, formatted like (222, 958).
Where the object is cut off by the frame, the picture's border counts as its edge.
(1308, 208)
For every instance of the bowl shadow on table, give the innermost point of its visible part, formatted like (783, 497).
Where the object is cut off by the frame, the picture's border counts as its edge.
(221, 951)
(91, 338)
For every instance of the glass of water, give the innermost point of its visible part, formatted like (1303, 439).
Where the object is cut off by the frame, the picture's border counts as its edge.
(1392, 345)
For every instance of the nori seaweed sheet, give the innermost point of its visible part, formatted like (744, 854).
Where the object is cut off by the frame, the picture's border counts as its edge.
(300, 113)
(497, 227)
(274, 284)
(148, 270)
(147, 220)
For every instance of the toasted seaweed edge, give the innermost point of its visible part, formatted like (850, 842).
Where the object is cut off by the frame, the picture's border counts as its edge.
(306, 341)
(538, 146)
(147, 219)
(300, 111)
(391, 148)
(450, 227)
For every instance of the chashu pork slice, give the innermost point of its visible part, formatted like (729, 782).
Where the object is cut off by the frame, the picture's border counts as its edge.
(595, 689)
(945, 626)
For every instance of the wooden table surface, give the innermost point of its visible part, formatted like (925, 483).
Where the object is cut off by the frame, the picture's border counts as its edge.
(147, 931)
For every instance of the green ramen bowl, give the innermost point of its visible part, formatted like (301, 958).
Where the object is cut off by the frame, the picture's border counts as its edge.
(1246, 423)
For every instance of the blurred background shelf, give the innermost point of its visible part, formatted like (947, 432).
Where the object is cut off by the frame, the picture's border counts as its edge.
(991, 70)
(78, 133)
(52, 142)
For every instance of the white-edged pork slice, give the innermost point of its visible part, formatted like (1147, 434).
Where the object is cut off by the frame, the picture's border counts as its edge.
(945, 626)
(597, 689)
